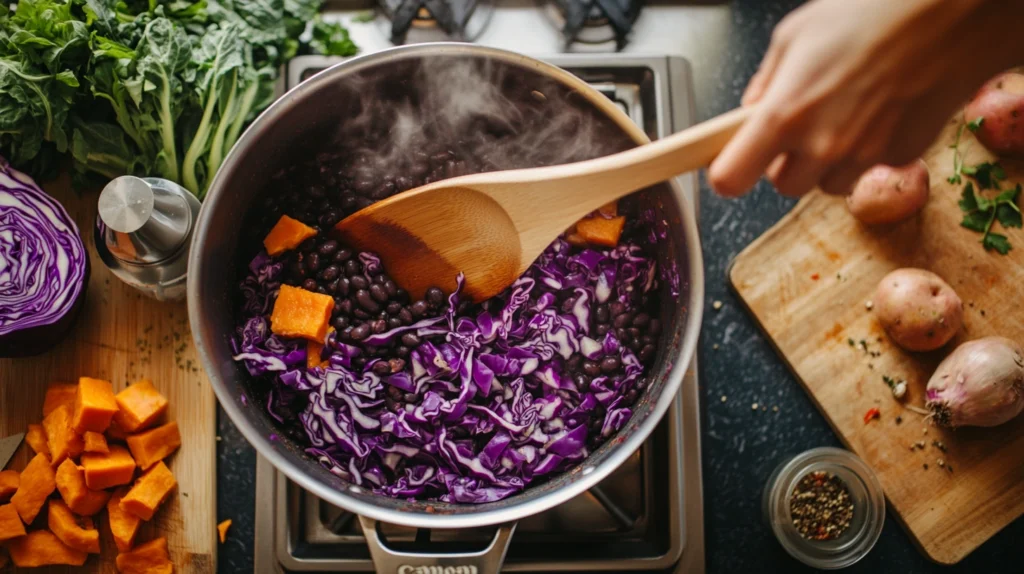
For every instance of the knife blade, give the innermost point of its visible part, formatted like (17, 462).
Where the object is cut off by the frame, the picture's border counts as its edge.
(9, 446)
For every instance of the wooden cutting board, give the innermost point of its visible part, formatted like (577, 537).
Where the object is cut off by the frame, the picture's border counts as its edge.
(122, 336)
(806, 281)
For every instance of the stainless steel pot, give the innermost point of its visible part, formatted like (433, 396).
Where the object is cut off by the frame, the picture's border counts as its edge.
(298, 121)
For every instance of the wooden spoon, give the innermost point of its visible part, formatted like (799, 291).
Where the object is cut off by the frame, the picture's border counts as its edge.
(492, 226)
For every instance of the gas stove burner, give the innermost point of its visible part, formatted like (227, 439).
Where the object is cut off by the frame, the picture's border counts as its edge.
(595, 21)
(461, 20)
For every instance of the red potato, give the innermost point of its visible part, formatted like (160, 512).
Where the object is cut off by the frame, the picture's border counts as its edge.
(918, 310)
(1001, 103)
(886, 194)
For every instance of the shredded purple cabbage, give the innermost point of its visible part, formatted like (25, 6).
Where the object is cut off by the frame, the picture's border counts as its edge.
(499, 409)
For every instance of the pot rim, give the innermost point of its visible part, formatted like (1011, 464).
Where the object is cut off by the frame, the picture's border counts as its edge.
(511, 511)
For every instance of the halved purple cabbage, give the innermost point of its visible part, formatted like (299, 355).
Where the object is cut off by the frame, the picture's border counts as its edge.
(44, 268)
(497, 409)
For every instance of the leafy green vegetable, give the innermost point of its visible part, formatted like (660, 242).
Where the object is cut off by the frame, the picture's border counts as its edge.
(980, 212)
(996, 242)
(149, 87)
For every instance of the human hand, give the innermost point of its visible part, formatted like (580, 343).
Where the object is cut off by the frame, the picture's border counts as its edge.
(847, 84)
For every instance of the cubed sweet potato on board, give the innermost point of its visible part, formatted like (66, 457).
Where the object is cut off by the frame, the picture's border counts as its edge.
(36, 484)
(140, 405)
(123, 526)
(8, 484)
(115, 432)
(95, 442)
(106, 470)
(74, 531)
(287, 234)
(94, 405)
(152, 446)
(35, 436)
(11, 525)
(301, 313)
(149, 492)
(149, 558)
(58, 394)
(42, 548)
(601, 231)
(222, 530)
(80, 498)
(61, 439)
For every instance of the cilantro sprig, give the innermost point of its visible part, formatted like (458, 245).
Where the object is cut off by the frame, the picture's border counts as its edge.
(980, 212)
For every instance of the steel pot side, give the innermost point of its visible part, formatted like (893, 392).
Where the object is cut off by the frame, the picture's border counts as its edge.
(213, 288)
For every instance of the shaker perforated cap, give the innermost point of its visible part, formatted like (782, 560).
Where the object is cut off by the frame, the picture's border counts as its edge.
(143, 225)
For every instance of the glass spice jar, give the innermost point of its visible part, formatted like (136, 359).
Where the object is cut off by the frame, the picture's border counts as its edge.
(865, 493)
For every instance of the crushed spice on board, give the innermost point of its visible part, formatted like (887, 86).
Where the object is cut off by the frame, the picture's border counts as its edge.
(821, 506)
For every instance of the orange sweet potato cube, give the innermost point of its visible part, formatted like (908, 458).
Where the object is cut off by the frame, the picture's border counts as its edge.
(149, 492)
(222, 530)
(10, 523)
(62, 440)
(601, 231)
(301, 313)
(123, 526)
(75, 532)
(313, 355)
(154, 445)
(287, 234)
(149, 558)
(94, 405)
(140, 405)
(8, 484)
(36, 439)
(36, 484)
(95, 442)
(79, 497)
(106, 470)
(58, 394)
(42, 548)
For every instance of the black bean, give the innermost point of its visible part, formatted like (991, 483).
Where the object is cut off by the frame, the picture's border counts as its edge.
(330, 273)
(328, 248)
(321, 290)
(616, 308)
(601, 314)
(363, 186)
(591, 368)
(379, 326)
(401, 294)
(411, 340)
(635, 345)
(339, 323)
(634, 333)
(418, 309)
(392, 405)
(647, 352)
(381, 368)
(582, 382)
(378, 293)
(329, 219)
(623, 320)
(391, 287)
(622, 335)
(464, 307)
(359, 282)
(353, 268)
(366, 301)
(602, 329)
(459, 432)
(361, 332)
(609, 364)
(360, 313)
(312, 262)
(574, 362)
(344, 286)
(297, 269)
(348, 203)
(568, 304)
(405, 316)
(630, 397)
(382, 191)
(394, 308)
(315, 191)
(402, 351)
(435, 297)
(641, 320)
(646, 339)
(309, 284)
(343, 254)
(411, 398)
(655, 327)
(307, 244)
(394, 322)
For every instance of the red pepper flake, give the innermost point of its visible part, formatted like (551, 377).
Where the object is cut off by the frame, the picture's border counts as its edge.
(815, 277)
(873, 413)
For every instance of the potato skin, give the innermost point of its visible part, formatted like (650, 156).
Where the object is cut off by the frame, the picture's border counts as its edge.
(886, 194)
(918, 310)
(1001, 102)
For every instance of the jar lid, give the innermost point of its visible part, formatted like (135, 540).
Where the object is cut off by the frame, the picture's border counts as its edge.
(865, 494)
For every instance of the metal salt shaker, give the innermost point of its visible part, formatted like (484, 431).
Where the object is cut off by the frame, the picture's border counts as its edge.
(144, 232)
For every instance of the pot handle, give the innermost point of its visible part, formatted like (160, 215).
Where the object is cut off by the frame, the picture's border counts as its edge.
(388, 561)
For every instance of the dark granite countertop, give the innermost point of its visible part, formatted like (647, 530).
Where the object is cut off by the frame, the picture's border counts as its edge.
(740, 447)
